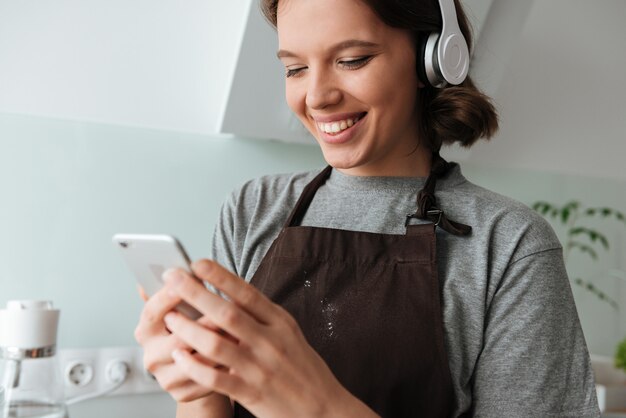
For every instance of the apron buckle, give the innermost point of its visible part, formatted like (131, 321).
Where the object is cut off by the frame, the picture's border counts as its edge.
(435, 212)
(438, 213)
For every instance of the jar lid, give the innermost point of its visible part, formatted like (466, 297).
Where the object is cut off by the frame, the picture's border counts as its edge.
(28, 324)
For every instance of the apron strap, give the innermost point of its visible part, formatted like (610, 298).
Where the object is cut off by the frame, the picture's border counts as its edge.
(427, 203)
(297, 214)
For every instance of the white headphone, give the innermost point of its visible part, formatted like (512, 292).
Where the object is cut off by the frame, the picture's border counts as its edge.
(446, 55)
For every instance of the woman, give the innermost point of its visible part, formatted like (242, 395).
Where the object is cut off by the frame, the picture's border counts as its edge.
(353, 307)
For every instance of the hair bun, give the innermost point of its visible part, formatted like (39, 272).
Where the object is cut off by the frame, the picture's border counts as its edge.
(460, 114)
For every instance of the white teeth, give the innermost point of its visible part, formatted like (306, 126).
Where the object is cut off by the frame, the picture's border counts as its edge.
(338, 126)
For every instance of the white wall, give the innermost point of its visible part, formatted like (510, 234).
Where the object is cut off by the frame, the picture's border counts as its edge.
(562, 99)
(67, 187)
(161, 64)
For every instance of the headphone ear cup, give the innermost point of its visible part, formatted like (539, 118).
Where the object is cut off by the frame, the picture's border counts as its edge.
(429, 70)
(420, 59)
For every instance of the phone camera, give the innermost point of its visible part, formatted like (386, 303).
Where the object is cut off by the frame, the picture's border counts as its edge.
(123, 244)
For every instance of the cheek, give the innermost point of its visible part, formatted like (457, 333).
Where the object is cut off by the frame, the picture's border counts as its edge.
(386, 86)
(393, 102)
(400, 92)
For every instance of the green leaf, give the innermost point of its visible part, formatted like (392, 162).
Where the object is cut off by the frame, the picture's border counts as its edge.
(606, 212)
(554, 212)
(542, 207)
(604, 241)
(565, 212)
(583, 248)
(592, 234)
(620, 356)
(599, 293)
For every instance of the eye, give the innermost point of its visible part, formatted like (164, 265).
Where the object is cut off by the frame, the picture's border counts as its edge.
(355, 63)
(291, 72)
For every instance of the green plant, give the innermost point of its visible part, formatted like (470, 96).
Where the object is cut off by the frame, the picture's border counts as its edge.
(620, 356)
(580, 237)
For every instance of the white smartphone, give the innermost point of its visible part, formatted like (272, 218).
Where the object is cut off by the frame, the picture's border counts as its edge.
(149, 256)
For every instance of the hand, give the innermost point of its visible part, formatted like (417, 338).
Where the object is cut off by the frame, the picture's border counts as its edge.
(270, 368)
(158, 344)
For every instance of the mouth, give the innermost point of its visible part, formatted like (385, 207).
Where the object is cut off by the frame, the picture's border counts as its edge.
(337, 127)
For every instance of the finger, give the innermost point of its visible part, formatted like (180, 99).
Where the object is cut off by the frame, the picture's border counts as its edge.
(207, 323)
(218, 380)
(142, 293)
(209, 344)
(240, 292)
(151, 320)
(170, 377)
(159, 362)
(179, 385)
(158, 351)
(189, 391)
(224, 314)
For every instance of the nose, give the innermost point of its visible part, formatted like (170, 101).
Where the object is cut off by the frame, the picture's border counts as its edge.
(322, 90)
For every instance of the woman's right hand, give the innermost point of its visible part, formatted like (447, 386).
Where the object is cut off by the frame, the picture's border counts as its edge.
(158, 344)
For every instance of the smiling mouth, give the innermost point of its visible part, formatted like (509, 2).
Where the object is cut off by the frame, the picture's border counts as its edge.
(338, 126)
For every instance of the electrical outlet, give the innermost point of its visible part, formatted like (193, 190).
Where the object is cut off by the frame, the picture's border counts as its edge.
(78, 373)
(86, 371)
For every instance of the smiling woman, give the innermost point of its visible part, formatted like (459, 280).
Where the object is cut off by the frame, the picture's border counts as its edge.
(351, 307)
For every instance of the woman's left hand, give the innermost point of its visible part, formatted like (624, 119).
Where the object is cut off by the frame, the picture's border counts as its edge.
(270, 369)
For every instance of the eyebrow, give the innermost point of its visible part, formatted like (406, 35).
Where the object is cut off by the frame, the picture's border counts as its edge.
(351, 43)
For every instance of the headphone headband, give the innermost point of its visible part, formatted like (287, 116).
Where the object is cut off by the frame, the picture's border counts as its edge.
(446, 55)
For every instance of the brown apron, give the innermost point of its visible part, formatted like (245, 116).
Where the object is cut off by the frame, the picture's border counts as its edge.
(369, 304)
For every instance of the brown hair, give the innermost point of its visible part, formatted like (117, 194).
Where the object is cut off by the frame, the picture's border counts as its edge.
(452, 114)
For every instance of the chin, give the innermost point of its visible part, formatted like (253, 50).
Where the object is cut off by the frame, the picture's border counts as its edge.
(340, 160)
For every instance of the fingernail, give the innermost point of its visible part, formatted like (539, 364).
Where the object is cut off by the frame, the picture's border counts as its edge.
(177, 354)
(169, 319)
(172, 276)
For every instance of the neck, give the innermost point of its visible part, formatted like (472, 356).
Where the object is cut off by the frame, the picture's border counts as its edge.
(415, 164)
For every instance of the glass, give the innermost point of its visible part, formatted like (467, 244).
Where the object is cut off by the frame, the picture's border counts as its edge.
(32, 388)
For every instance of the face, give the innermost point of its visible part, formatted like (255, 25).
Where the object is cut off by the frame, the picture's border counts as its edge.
(351, 80)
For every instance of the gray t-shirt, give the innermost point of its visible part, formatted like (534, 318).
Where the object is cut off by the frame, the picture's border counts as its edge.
(512, 333)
